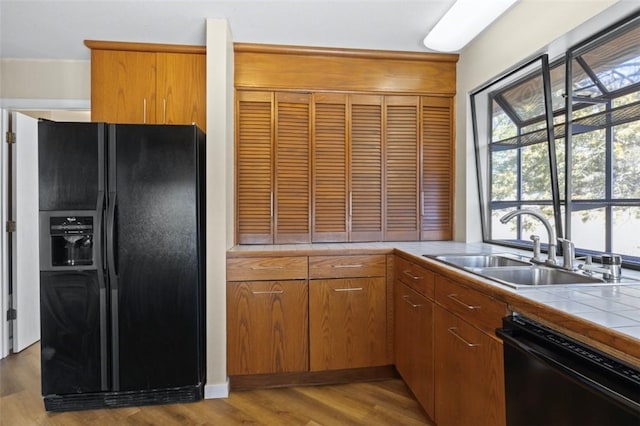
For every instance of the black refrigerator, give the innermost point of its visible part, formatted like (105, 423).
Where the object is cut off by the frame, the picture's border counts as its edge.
(122, 269)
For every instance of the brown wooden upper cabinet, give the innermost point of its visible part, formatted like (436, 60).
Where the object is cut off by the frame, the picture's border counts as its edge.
(273, 167)
(437, 168)
(148, 83)
(333, 147)
(401, 168)
(347, 168)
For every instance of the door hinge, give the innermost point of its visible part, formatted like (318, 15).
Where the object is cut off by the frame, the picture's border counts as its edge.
(12, 314)
(11, 226)
(11, 138)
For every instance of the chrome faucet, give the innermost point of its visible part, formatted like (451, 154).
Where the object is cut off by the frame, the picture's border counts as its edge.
(551, 258)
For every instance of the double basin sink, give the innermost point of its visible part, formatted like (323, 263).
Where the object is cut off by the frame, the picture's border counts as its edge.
(516, 272)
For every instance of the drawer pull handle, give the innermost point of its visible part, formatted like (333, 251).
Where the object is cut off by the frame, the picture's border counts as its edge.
(268, 292)
(454, 297)
(452, 330)
(410, 275)
(353, 265)
(348, 289)
(406, 299)
(260, 268)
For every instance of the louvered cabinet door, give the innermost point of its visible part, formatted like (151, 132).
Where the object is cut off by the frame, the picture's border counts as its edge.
(401, 168)
(330, 165)
(254, 136)
(365, 196)
(437, 169)
(292, 169)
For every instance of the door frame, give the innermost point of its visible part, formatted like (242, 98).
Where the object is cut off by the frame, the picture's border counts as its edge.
(4, 244)
(8, 106)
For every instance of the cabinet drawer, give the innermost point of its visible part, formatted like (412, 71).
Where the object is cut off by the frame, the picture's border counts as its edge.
(266, 268)
(347, 266)
(480, 310)
(416, 277)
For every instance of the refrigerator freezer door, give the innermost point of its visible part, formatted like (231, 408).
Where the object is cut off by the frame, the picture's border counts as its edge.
(70, 165)
(70, 344)
(152, 177)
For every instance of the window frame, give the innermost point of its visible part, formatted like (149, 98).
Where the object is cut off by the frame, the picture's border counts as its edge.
(562, 220)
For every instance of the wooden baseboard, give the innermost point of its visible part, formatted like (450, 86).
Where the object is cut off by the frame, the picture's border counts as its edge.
(312, 378)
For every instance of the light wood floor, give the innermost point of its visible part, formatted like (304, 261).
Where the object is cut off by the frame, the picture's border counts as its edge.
(374, 403)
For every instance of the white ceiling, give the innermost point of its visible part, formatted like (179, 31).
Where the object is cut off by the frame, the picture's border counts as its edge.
(55, 29)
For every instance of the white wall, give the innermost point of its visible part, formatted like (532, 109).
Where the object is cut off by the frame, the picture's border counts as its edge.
(220, 199)
(530, 27)
(34, 83)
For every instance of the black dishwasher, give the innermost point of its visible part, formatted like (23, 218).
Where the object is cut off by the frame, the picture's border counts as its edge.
(551, 379)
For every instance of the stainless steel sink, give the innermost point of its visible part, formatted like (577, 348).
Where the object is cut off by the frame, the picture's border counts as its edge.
(516, 272)
(518, 277)
(482, 260)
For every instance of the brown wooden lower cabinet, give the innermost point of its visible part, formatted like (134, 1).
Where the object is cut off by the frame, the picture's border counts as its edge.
(469, 379)
(267, 327)
(347, 323)
(414, 343)
(319, 319)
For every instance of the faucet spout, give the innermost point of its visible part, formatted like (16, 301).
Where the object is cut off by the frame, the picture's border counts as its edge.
(551, 259)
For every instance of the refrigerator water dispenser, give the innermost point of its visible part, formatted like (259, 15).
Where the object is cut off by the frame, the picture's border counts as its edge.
(72, 242)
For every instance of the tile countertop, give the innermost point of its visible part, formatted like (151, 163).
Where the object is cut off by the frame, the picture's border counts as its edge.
(613, 309)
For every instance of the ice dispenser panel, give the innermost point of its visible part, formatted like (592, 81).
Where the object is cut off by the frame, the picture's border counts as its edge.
(72, 241)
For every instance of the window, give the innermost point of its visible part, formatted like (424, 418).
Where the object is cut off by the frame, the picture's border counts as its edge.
(571, 153)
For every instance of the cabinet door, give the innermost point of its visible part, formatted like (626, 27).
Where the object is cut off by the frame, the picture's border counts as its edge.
(469, 374)
(347, 323)
(267, 327)
(123, 86)
(181, 89)
(414, 344)
(330, 167)
(437, 169)
(401, 168)
(365, 196)
(254, 134)
(292, 169)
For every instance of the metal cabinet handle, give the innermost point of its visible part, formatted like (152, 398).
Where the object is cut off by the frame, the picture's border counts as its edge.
(268, 292)
(406, 299)
(454, 297)
(261, 268)
(271, 204)
(353, 265)
(144, 111)
(348, 289)
(164, 110)
(410, 275)
(452, 330)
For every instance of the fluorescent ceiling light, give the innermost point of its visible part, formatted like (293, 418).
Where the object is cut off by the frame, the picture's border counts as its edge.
(465, 20)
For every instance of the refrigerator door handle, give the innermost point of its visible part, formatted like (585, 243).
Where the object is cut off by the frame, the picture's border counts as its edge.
(113, 284)
(110, 237)
(104, 380)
